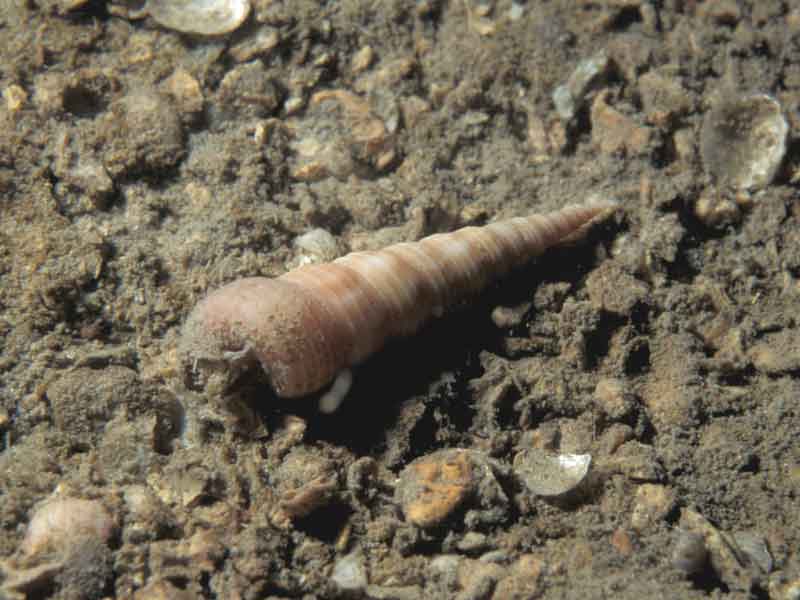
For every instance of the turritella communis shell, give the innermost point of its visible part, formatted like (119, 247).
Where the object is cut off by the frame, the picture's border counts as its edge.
(310, 324)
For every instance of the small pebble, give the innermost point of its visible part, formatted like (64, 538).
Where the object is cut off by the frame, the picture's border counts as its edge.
(246, 92)
(776, 353)
(477, 579)
(350, 573)
(523, 580)
(433, 486)
(473, 543)
(314, 247)
(362, 60)
(614, 132)
(715, 210)
(728, 562)
(185, 91)
(162, 590)
(780, 590)
(445, 563)
(613, 437)
(15, 98)
(755, 547)
(393, 592)
(614, 290)
(49, 91)
(723, 12)
(638, 462)
(82, 404)
(142, 132)
(652, 503)
(613, 399)
(304, 482)
(622, 542)
(664, 99)
(148, 518)
(260, 45)
(496, 556)
(506, 317)
(690, 553)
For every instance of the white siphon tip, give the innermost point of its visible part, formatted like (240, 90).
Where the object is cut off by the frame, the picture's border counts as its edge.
(331, 400)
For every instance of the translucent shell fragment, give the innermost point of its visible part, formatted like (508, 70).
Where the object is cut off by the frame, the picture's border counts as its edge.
(547, 474)
(204, 17)
(743, 141)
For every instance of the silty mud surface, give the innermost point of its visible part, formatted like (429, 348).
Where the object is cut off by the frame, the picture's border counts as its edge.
(141, 167)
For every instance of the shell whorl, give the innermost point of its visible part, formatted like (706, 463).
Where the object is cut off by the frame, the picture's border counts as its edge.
(310, 323)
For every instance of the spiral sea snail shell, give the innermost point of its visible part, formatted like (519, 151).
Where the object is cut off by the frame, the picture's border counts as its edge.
(308, 326)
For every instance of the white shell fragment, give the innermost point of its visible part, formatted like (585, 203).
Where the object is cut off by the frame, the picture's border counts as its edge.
(569, 97)
(315, 247)
(58, 523)
(754, 547)
(204, 17)
(744, 141)
(350, 574)
(547, 474)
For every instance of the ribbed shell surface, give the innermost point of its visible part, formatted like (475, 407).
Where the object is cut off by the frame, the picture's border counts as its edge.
(308, 324)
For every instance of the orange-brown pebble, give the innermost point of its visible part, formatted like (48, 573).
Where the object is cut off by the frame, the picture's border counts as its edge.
(523, 580)
(652, 503)
(433, 486)
(622, 542)
(616, 133)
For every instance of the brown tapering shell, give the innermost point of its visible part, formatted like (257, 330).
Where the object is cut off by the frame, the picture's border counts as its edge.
(307, 325)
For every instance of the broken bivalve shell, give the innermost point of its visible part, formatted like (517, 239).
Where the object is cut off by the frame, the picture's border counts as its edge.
(547, 474)
(204, 17)
(59, 523)
(743, 141)
(754, 547)
(570, 96)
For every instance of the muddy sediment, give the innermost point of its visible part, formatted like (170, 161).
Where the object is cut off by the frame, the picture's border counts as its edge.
(141, 167)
